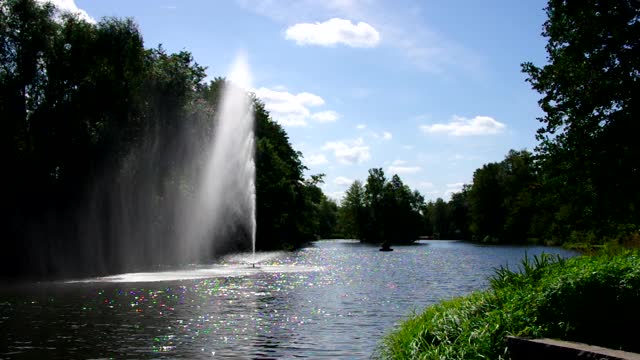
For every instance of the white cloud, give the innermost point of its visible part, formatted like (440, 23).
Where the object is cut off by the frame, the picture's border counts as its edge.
(349, 152)
(342, 181)
(294, 109)
(361, 126)
(404, 169)
(70, 6)
(404, 29)
(325, 116)
(398, 167)
(334, 31)
(449, 192)
(461, 126)
(453, 188)
(317, 159)
(335, 195)
(408, 147)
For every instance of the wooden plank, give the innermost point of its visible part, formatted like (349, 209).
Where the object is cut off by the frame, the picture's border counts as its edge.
(550, 349)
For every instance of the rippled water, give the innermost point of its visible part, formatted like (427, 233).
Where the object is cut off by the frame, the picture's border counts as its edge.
(334, 300)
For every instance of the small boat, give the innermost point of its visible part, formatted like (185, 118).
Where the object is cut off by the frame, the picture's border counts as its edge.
(386, 247)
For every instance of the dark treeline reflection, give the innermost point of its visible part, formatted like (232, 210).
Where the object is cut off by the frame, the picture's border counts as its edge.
(103, 141)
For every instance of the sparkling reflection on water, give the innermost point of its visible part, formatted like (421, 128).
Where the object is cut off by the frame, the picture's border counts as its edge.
(334, 299)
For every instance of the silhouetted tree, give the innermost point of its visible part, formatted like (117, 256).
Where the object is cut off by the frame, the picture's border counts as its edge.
(588, 149)
(381, 210)
(352, 213)
(94, 122)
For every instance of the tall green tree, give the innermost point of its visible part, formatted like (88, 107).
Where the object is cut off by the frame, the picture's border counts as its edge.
(501, 199)
(374, 194)
(96, 134)
(402, 212)
(382, 210)
(280, 186)
(327, 218)
(487, 197)
(520, 203)
(590, 88)
(461, 214)
(352, 213)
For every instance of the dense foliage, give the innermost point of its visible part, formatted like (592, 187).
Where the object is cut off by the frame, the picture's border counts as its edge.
(381, 210)
(580, 184)
(590, 89)
(546, 297)
(94, 122)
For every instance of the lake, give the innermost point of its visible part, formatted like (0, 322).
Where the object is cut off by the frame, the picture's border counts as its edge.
(334, 299)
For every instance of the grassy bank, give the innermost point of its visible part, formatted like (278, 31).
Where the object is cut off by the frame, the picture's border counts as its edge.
(590, 299)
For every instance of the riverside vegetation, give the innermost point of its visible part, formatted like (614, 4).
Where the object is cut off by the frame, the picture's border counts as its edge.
(589, 299)
(580, 191)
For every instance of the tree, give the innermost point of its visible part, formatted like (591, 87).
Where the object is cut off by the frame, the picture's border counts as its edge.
(487, 198)
(327, 218)
(501, 199)
(105, 141)
(352, 213)
(401, 209)
(519, 203)
(281, 195)
(460, 214)
(374, 200)
(381, 210)
(440, 218)
(590, 87)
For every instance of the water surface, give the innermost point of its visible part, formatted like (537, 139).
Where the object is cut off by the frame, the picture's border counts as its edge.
(334, 299)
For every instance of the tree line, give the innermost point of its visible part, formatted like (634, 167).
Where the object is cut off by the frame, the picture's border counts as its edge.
(380, 210)
(96, 130)
(92, 119)
(498, 206)
(580, 184)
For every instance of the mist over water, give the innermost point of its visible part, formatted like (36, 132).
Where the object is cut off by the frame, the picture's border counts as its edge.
(184, 194)
(224, 201)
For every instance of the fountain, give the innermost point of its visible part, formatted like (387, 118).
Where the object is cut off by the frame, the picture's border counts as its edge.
(183, 194)
(218, 207)
(225, 196)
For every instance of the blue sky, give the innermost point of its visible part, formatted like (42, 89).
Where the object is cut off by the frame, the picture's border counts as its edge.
(430, 90)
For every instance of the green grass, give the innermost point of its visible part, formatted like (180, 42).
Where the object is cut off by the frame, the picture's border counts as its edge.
(590, 299)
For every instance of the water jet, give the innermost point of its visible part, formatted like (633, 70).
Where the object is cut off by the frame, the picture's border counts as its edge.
(225, 198)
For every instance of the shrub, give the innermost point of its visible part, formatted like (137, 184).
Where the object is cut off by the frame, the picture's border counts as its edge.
(586, 299)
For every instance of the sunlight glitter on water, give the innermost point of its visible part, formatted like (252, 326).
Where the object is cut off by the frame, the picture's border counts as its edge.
(217, 271)
(333, 300)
